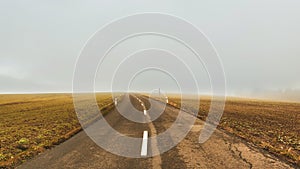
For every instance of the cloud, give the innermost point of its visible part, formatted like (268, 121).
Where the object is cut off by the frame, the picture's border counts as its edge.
(10, 84)
(12, 71)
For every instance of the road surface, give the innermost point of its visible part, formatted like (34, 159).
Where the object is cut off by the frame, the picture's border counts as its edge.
(220, 151)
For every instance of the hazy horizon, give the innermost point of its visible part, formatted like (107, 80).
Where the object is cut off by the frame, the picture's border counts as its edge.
(261, 96)
(257, 42)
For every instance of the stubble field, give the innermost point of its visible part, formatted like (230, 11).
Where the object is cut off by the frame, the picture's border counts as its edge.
(272, 126)
(31, 124)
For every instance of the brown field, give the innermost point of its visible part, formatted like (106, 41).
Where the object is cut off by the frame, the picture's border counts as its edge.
(273, 126)
(32, 123)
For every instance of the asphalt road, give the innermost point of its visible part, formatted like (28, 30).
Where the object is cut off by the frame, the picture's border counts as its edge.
(220, 151)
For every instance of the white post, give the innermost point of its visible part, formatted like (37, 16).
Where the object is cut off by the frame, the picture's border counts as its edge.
(116, 101)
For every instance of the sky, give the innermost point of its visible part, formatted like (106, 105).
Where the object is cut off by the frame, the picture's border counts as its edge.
(257, 42)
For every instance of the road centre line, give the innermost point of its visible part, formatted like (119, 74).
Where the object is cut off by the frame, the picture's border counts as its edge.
(144, 144)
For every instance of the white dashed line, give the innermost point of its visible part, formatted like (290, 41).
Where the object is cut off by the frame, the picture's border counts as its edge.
(145, 112)
(144, 144)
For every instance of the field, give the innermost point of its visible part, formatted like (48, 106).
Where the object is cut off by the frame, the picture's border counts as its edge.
(273, 126)
(32, 123)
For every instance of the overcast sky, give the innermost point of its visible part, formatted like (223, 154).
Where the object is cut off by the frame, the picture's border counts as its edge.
(257, 41)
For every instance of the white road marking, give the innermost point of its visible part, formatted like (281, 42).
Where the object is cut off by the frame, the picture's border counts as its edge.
(144, 144)
(142, 104)
(116, 101)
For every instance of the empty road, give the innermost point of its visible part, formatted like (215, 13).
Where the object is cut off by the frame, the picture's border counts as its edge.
(220, 151)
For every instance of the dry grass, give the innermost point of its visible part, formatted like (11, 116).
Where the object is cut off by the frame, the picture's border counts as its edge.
(273, 126)
(32, 123)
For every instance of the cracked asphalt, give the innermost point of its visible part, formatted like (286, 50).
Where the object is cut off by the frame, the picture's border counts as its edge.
(220, 151)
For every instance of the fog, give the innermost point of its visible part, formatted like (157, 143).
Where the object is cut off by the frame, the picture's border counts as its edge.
(257, 42)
